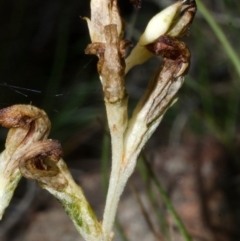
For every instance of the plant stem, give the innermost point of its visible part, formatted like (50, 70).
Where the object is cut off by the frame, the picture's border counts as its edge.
(77, 207)
(117, 121)
(105, 161)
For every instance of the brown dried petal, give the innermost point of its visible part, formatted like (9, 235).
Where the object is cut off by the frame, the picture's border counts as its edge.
(19, 115)
(95, 49)
(172, 49)
(39, 162)
(27, 123)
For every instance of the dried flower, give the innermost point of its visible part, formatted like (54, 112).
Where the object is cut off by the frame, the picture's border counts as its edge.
(28, 153)
(28, 125)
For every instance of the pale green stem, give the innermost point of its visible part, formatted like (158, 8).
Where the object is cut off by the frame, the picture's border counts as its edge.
(117, 120)
(7, 188)
(77, 207)
(9, 179)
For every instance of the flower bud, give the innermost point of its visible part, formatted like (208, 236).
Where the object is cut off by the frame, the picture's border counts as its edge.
(160, 24)
(157, 26)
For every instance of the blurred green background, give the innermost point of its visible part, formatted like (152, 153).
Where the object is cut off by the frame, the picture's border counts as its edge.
(42, 62)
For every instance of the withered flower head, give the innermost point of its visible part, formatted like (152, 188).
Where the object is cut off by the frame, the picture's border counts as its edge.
(39, 162)
(28, 125)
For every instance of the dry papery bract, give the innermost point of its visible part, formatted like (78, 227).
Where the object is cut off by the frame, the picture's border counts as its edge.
(111, 63)
(103, 13)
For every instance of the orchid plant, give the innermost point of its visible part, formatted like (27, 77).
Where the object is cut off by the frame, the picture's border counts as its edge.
(29, 153)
